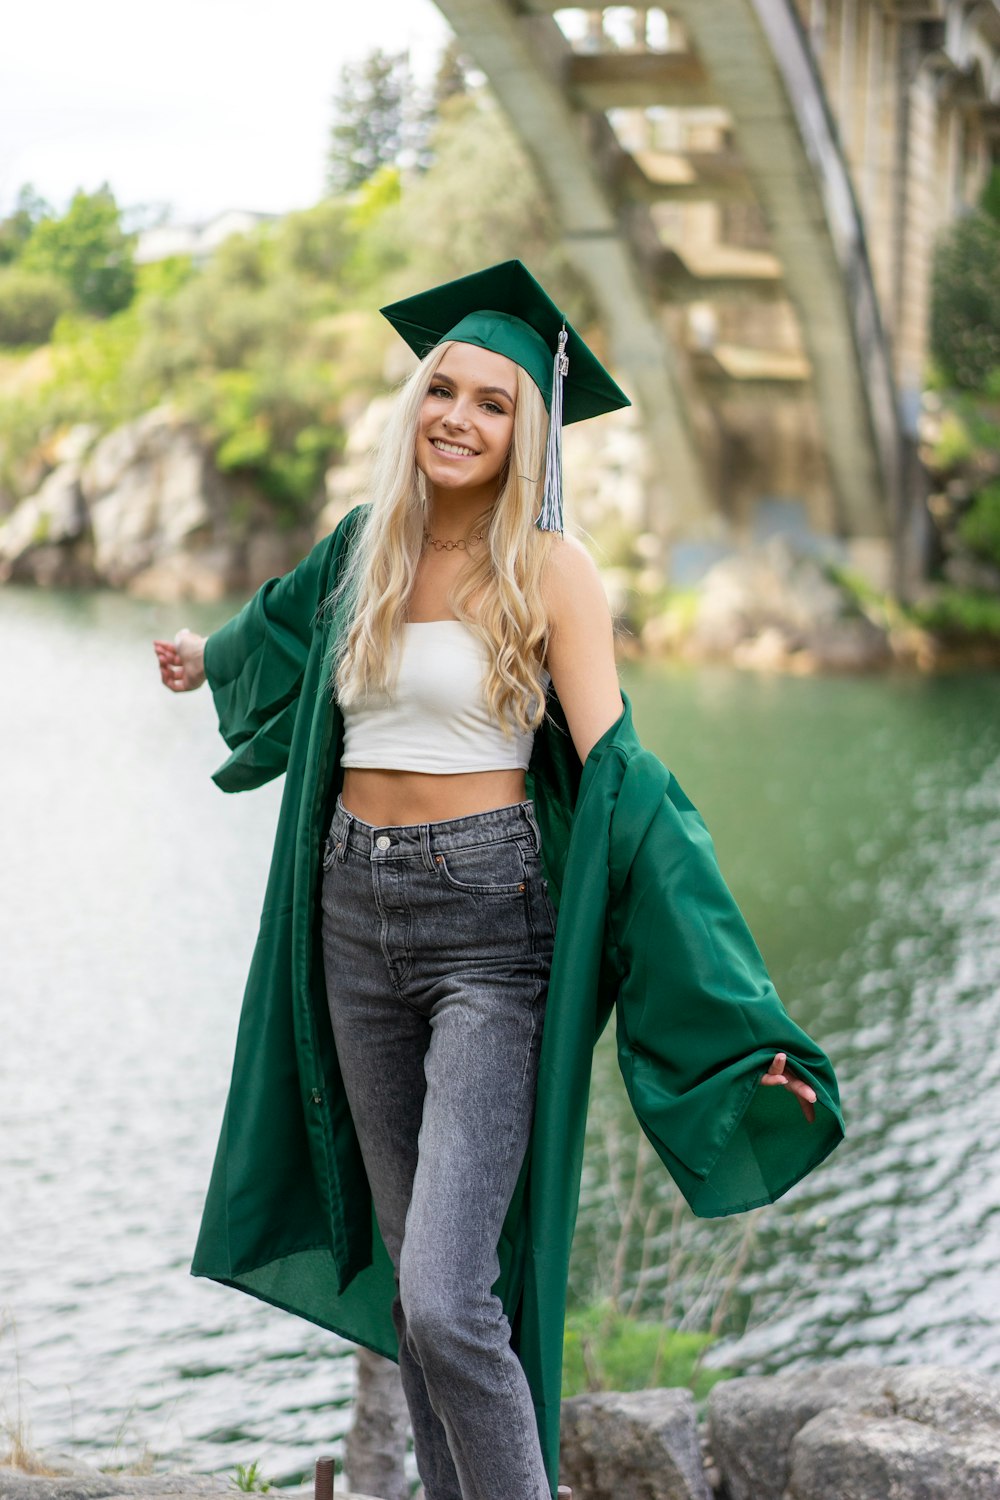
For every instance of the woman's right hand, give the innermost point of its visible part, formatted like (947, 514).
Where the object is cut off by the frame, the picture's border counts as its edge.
(182, 661)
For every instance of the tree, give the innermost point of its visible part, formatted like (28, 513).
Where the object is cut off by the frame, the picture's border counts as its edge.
(30, 303)
(480, 201)
(452, 77)
(965, 298)
(17, 228)
(370, 127)
(87, 249)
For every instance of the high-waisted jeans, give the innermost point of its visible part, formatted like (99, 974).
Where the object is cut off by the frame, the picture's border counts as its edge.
(437, 943)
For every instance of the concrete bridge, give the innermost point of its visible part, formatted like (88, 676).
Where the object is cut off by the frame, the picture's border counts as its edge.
(752, 189)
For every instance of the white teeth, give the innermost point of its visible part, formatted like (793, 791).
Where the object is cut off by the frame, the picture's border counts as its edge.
(452, 447)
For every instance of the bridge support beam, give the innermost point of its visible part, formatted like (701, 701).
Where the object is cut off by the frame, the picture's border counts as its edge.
(528, 63)
(757, 56)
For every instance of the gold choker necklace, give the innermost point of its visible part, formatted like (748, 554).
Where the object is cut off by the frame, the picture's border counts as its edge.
(462, 545)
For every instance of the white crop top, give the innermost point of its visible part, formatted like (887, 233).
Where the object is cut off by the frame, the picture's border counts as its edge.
(436, 719)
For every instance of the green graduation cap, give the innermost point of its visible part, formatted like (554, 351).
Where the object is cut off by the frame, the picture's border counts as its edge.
(505, 309)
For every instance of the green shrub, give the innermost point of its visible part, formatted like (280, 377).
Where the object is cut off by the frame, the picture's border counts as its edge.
(30, 304)
(979, 528)
(88, 250)
(605, 1350)
(960, 613)
(965, 301)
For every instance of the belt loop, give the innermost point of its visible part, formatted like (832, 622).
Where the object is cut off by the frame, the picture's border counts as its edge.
(346, 835)
(529, 813)
(425, 847)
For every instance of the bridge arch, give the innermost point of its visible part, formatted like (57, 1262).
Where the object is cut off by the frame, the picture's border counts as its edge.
(723, 108)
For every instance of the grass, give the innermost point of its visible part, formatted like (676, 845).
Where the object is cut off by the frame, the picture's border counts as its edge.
(249, 1479)
(607, 1350)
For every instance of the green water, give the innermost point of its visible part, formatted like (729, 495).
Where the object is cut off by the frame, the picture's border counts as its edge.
(858, 822)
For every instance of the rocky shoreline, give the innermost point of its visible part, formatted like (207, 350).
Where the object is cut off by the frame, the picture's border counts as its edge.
(143, 509)
(835, 1431)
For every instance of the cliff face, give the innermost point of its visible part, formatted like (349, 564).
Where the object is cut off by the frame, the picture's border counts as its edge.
(144, 509)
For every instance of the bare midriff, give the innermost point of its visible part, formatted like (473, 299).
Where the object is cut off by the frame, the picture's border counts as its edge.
(397, 798)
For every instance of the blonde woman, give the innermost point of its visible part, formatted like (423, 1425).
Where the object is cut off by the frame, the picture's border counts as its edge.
(400, 1155)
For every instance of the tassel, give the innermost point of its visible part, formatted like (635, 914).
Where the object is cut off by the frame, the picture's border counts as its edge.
(550, 517)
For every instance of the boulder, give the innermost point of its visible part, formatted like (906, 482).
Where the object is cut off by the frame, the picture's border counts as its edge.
(848, 1455)
(854, 1432)
(642, 1445)
(15, 1484)
(34, 539)
(145, 509)
(93, 1484)
(776, 609)
(375, 1448)
(753, 1421)
(147, 488)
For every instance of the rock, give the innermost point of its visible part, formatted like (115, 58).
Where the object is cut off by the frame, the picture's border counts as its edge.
(204, 577)
(752, 1421)
(146, 511)
(953, 1401)
(847, 1455)
(33, 540)
(16, 1485)
(642, 1445)
(146, 488)
(966, 572)
(347, 483)
(604, 467)
(92, 1484)
(73, 443)
(375, 1449)
(853, 1432)
(774, 610)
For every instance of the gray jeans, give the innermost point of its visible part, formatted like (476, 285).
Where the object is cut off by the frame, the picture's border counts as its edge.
(437, 941)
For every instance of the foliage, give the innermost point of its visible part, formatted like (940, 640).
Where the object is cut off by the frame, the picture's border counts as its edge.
(380, 120)
(979, 528)
(30, 304)
(605, 1350)
(965, 296)
(479, 202)
(272, 343)
(249, 1479)
(17, 228)
(316, 244)
(452, 77)
(87, 249)
(990, 201)
(647, 1255)
(955, 444)
(954, 612)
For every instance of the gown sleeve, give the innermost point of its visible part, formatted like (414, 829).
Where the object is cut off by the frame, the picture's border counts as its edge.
(255, 664)
(698, 1019)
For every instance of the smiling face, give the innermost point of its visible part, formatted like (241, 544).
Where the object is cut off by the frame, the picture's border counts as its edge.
(467, 421)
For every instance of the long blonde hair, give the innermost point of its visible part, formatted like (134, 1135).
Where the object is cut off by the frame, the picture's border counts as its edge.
(503, 578)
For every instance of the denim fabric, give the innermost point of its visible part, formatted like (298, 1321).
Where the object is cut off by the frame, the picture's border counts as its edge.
(437, 943)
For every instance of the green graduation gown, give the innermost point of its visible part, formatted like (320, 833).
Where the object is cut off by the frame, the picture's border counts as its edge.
(646, 928)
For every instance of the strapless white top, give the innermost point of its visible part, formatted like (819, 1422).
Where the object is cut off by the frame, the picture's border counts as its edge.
(436, 719)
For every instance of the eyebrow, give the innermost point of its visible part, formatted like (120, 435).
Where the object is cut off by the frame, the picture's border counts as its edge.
(482, 390)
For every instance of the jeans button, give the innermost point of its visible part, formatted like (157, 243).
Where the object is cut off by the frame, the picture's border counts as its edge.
(382, 842)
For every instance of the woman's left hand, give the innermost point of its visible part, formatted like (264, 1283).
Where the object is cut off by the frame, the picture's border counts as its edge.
(780, 1075)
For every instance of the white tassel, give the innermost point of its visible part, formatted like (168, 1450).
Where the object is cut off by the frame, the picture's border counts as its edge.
(550, 517)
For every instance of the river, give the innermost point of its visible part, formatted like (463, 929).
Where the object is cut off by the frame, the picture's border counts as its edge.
(858, 822)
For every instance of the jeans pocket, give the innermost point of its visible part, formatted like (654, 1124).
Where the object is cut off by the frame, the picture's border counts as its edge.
(492, 869)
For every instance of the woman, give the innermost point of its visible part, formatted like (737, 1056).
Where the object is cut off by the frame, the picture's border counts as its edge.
(462, 642)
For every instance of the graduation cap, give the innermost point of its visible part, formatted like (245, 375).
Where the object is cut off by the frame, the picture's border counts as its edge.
(506, 310)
